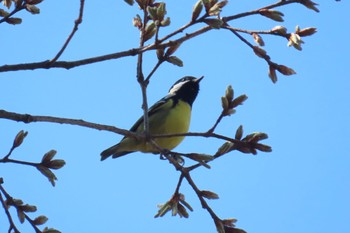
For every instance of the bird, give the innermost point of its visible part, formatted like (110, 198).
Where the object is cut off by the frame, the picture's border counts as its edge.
(170, 115)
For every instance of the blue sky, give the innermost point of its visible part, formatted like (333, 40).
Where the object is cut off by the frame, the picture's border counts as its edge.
(303, 185)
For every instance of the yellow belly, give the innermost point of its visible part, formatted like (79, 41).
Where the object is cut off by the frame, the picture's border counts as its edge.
(175, 120)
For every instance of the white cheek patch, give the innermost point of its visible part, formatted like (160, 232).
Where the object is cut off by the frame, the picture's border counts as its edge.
(176, 87)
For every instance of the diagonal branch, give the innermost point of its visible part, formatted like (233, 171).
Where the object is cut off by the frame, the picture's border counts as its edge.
(75, 28)
(254, 12)
(26, 118)
(4, 205)
(47, 64)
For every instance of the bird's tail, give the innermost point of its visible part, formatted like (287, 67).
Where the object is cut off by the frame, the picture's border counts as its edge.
(113, 151)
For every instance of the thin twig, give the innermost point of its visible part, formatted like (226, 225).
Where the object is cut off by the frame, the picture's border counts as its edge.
(132, 52)
(31, 222)
(140, 76)
(75, 28)
(204, 204)
(7, 212)
(211, 130)
(26, 118)
(9, 153)
(17, 9)
(254, 12)
(12, 225)
(265, 57)
(6, 160)
(72, 64)
(160, 61)
(177, 190)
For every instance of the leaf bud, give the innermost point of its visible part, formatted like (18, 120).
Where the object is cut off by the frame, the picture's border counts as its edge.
(48, 173)
(295, 41)
(19, 138)
(272, 14)
(260, 52)
(263, 147)
(142, 3)
(32, 9)
(216, 8)
(16, 202)
(272, 74)
(152, 11)
(130, 2)
(307, 31)
(165, 22)
(160, 53)
(310, 4)
(56, 164)
(40, 220)
(229, 222)
(239, 100)
(3, 13)
(150, 31)
(21, 216)
(279, 30)
(224, 103)
(28, 208)
(200, 157)
(161, 11)
(163, 209)
(197, 9)
(247, 150)
(285, 70)
(175, 61)
(239, 133)
(207, 4)
(137, 22)
(48, 156)
(181, 211)
(14, 20)
(229, 93)
(258, 39)
(219, 226)
(182, 201)
(257, 136)
(214, 23)
(209, 194)
(172, 49)
(7, 3)
(230, 111)
(224, 148)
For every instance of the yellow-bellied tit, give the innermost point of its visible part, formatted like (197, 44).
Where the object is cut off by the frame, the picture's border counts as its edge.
(170, 115)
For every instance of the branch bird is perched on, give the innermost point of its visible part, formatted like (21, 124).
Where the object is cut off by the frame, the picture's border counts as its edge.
(170, 115)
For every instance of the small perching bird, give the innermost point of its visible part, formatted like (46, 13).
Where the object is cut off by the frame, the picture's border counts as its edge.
(170, 115)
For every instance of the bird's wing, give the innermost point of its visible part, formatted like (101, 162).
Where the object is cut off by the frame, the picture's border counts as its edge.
(152, 110)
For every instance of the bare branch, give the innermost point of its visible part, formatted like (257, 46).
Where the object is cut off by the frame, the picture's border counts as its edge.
(7, 212)
(75, 28)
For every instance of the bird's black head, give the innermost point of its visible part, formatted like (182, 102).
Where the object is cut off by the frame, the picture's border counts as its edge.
(186, 89)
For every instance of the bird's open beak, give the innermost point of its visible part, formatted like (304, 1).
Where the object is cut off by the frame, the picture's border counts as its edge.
(199, 79)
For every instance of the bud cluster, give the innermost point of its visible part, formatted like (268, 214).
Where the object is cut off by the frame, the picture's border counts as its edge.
(48, 163)
(229, 103)
(22, 210)
(176, 205)
(28, 5)
(249, 144)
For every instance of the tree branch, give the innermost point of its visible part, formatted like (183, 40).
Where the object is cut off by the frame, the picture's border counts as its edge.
(75, 28)
(26, 118)
(7, 212)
